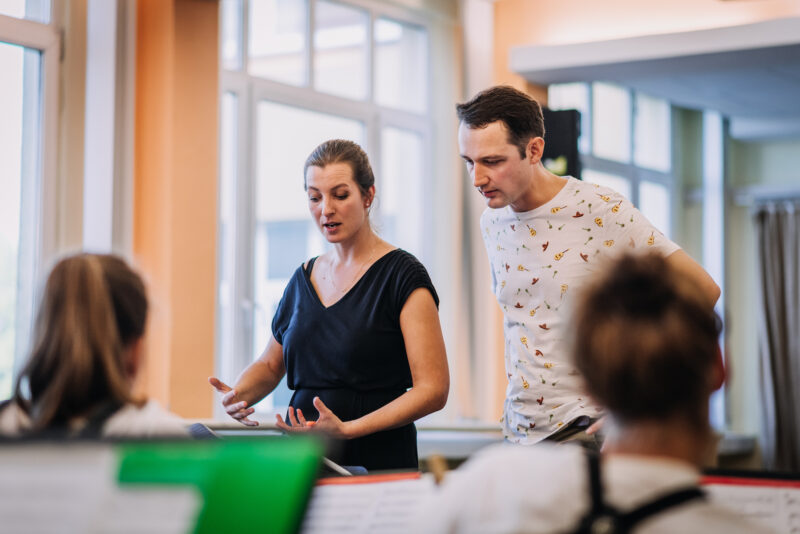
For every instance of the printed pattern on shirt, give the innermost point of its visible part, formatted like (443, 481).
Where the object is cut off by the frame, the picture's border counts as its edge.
(538, 259)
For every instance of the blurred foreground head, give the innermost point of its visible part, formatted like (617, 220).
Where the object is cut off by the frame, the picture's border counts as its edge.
(647, 343)
(86, 342)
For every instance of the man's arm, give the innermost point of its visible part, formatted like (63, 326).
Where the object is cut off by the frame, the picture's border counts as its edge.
(685, 265)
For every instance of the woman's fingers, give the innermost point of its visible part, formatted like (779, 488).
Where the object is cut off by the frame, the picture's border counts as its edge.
(293, 418)
(239, 414)
(300, 418)
(321, 408)
(234, 408)
(294, 423)
(248, 422)
(229, 397)
(218, 384)
(281, 424)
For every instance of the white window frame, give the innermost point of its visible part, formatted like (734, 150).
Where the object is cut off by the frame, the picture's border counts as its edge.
(715, 134)
(250, 90)
(39, 225)
(631, 172)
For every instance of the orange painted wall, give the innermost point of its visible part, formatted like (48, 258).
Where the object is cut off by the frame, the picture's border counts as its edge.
(175, 196)
(528, 22)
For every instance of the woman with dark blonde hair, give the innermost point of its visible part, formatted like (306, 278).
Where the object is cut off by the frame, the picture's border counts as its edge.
(357, 331)
(87, 348)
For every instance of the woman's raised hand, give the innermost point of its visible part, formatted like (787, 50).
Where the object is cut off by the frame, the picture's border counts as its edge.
(328, 423)
(230, 401)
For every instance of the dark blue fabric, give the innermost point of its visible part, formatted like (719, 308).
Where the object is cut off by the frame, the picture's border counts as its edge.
(352, 354)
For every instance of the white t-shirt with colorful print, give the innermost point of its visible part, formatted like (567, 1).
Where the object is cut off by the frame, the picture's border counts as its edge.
(538, 259)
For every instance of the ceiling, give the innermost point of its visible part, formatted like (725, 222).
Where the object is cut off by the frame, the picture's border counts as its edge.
(750, 73)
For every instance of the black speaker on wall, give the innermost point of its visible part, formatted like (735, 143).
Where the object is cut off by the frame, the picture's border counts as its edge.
(562, 130)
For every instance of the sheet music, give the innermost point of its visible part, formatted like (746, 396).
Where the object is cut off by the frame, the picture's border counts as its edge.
(376, 507)
(775, 506)
(148, 509)
(73, 489)
(46, 489)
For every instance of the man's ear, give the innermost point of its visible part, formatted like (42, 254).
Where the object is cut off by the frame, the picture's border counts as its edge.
(535, 149)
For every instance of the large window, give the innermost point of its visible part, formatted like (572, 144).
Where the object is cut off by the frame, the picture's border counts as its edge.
(625, 144)
(28, 59)
(295, 73)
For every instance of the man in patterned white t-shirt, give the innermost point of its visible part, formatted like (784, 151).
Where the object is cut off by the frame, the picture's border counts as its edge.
(545, 236)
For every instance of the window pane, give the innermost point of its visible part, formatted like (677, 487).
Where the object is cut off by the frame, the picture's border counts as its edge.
(340, 50)
(572, 96)
(654, 203)
(400, 198)
(617, 183)
(38, 10)
(286, 136)
(651, 147)
(611, 124)
(277, 40)
(11, 172)
(401, 66)
(284, 235)
(231, 29)
(19, 156)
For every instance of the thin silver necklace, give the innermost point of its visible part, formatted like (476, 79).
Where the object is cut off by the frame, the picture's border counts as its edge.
(353, 280)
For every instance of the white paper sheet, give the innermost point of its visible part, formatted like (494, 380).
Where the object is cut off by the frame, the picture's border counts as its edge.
(376, 507)
(777, 507)
(72, 488)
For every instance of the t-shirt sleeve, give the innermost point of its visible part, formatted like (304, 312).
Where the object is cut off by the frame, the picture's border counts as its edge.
(411, 275)
(285, 309)
(634, 232)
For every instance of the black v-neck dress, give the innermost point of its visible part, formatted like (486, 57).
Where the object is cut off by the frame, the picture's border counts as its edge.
(352, 355)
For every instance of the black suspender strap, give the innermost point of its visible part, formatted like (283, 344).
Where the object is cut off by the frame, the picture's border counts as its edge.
(598, 506)
(600, 519)
(604, 519)
(628, 520)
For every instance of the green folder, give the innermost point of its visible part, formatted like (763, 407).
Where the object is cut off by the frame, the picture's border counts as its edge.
(247, 484)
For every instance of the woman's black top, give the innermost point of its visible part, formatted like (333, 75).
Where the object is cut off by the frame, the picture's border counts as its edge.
(352, 354)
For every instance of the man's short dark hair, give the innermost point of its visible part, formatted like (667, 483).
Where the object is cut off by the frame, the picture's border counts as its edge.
(521, 114)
